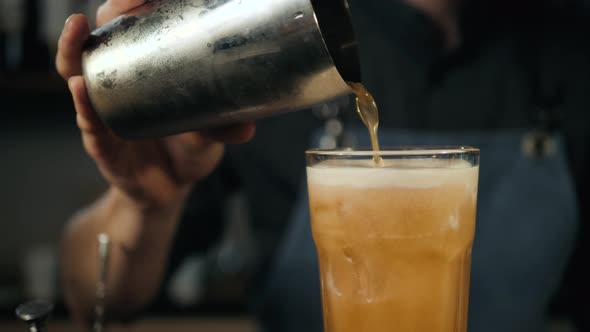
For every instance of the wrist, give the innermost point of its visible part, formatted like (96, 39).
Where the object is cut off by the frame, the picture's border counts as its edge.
(135, 225)
(145, 206)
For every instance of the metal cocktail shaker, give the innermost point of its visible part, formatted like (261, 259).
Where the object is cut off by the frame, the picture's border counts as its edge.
(172, 66)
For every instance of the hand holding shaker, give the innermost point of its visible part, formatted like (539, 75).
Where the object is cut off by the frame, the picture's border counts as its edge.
(168, 67)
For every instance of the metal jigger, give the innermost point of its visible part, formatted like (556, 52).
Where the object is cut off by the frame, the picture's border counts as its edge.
(35, 314)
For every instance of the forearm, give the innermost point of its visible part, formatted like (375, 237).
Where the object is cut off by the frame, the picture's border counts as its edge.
(140, 242)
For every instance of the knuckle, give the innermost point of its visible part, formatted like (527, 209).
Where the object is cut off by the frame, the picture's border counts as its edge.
(101, 13)
(62, 69)
(83, 123)
(94, 148)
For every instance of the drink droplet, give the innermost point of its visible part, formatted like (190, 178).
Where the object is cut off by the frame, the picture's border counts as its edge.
(209, 45)
(367, 109)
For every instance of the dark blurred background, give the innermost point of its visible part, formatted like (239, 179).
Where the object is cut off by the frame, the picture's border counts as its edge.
(46, 176)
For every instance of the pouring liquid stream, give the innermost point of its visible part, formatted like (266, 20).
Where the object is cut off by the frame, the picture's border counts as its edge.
(367, 110)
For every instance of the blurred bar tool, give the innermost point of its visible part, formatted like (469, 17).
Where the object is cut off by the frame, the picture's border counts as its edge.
(172, 66)
(101, 286)
(12, 22)
(40, 272)
(35, 314)
(53, 14)
(35, 57)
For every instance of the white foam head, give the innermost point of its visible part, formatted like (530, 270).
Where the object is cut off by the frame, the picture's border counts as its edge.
(415, 173)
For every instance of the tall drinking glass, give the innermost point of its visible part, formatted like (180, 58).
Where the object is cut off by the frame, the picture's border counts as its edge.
(394, 242)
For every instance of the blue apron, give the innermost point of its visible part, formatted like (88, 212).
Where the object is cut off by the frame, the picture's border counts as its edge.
(526, 227)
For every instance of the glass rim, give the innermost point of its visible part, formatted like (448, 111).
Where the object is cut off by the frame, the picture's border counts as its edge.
(395, 151)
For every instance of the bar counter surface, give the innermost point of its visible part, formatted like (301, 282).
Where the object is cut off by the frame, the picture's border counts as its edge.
(149, 325)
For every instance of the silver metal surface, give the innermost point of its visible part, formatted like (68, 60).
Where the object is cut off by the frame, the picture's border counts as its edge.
(35, 314)
(101, 285)
(178, 65)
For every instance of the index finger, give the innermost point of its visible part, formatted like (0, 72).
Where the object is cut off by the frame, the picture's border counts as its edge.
(69, 47)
